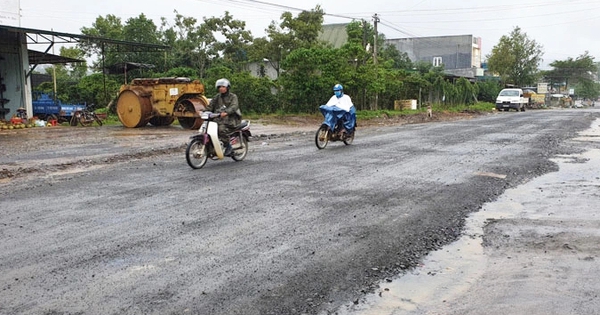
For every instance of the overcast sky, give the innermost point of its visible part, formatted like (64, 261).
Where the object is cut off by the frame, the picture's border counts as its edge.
(565, 28)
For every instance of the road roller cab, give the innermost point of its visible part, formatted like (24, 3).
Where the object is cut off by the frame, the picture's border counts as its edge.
(159, 101)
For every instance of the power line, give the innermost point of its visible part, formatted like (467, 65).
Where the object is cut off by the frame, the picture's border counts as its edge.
(496, 8)
(397, 28)
(501, 18)
(279, 6)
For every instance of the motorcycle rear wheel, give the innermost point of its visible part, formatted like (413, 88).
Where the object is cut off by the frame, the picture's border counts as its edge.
(322, 137)
(348, 139)
(240, 154)
(196, 154)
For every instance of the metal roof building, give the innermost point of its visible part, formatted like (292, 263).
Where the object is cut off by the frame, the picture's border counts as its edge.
(17, 62)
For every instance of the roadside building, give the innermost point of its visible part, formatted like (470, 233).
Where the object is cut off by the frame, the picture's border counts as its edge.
(460, 55)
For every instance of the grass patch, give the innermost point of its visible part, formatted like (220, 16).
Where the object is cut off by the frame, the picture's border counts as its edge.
(479, 107)
(111, 120)
(362, 115)
(283, 119)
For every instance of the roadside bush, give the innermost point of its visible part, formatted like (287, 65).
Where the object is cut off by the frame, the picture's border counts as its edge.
(488, 91)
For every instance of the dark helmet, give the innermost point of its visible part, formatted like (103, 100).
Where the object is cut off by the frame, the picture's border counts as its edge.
(338, 90)
(222, 82)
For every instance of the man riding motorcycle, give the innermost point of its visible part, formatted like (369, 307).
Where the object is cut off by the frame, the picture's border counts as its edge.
(338, 107)
(227, 104)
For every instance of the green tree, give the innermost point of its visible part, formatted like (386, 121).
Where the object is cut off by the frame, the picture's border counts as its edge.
(91, 90)
(193, 45)
(588, 90)
(236, 39)
(360, 32)
(304, 29)
(66, 76)
(137, 30)
(290, 34)
(254, 94)
(516, 58)
(400, 60)
(488, 91)
(567, 72)
(467, 92)
(374, 80)
(106, 27)
(359, 79)
(310, 75)
(141, 30)
(425, 83)
(75, 70)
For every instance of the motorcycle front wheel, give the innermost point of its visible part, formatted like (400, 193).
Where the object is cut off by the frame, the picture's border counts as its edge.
(84, 121)
(98, 120)
(196, 154)
(322, 137)
(240, 154)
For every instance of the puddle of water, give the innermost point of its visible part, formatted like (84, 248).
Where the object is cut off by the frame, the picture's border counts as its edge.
(592, 134)
(501, 176)
(74, 170)
(435, 280)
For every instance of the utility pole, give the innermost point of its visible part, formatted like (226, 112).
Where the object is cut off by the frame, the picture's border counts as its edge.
(365, 38)
(375, 21)
(54, 97)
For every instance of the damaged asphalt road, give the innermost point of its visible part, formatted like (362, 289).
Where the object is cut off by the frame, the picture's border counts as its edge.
(290, 230)
(534, 250)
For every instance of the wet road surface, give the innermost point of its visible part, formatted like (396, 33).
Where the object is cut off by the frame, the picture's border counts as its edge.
(533, 251)
(291, 229)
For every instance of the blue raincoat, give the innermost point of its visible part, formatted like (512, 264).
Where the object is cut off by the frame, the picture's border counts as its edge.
(333, 113)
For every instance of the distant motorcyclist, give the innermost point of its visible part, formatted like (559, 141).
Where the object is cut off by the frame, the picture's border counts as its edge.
(338, 107)
(227, 104)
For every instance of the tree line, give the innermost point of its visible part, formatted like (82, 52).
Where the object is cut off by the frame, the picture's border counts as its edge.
(307, 68)
(516, 59)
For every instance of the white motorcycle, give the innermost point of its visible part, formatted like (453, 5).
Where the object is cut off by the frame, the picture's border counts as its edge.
(206, 143)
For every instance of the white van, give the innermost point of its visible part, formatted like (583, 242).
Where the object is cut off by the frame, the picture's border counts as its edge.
(511, 98)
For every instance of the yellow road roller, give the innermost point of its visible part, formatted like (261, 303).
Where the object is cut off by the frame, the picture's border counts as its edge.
(159, 101)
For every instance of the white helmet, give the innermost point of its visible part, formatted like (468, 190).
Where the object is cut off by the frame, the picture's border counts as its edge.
(222, 82)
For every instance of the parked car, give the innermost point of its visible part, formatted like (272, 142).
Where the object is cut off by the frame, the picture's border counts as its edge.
(511, 99)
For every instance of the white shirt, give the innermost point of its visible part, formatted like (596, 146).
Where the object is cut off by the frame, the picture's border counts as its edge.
(343, 102)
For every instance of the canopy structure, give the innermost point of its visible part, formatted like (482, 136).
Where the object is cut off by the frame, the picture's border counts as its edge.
(40, 58)
(19, 59)
(37, 36)
(124, 67)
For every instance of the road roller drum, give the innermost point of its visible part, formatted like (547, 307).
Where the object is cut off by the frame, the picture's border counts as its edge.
(159, 101)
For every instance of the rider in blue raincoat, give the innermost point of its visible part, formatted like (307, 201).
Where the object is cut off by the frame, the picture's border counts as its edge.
(338, 107)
